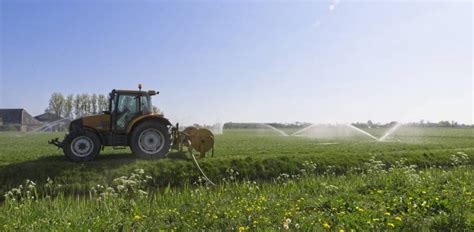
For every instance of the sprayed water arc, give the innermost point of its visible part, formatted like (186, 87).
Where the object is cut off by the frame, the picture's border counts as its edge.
(361, 131)
(50, 125)
(390, 132)
(282, 133)
(303, 130)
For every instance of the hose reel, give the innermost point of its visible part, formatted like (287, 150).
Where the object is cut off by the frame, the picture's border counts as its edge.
(202, 140)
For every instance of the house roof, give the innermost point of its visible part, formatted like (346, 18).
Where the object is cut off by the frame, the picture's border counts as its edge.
(17, 116)
(47, 117)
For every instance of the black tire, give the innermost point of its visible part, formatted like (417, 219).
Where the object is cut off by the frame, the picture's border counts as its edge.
(150, 140)
(81, 146)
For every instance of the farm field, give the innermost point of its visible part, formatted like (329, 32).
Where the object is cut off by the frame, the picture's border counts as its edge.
(419, 179)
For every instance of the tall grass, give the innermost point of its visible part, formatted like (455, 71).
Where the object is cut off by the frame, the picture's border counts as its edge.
(373, 197)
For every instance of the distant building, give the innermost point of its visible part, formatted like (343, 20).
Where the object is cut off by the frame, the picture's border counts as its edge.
(51, 122)
(47, 117)
(17, 120)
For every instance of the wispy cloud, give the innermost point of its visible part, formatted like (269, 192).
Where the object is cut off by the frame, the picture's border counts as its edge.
(333, 4)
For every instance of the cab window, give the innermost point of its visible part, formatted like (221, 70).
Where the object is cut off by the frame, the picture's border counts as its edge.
(127, 109)
(145, 104)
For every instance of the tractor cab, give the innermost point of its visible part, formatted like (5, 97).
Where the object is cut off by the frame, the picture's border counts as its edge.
(126, 105)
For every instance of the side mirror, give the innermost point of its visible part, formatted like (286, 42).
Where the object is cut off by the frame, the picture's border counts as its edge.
(153, 92)
(106, 112)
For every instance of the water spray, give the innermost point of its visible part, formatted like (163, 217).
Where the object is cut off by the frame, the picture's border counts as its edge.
(361, 131)
(282, 133)
(304, 129)
(390, 131)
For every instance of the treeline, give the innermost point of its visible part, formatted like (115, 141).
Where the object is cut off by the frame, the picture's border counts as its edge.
(74, 106)
(234, 125)
(421, 123)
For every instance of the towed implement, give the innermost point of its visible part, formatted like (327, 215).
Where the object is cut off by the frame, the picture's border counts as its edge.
(130, 121)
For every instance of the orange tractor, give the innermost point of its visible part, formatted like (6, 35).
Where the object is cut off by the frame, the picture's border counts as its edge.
(131, 122)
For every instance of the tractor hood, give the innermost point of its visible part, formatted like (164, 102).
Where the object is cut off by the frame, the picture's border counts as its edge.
(99, 122)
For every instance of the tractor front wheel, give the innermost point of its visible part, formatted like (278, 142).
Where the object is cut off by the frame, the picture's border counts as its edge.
(81, 146)
(150, 140)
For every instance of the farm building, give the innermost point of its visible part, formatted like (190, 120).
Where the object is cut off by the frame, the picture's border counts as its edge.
(17, 120)
(47, 117)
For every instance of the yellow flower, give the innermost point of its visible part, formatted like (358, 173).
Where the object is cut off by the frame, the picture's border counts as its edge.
(241, 229)
(391, 225)
(137, 218)
(398, 219)
(341, 230)
(326, 226)
(387, 214)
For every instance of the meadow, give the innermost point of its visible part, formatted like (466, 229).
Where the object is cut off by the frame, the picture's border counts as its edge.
(419, 179)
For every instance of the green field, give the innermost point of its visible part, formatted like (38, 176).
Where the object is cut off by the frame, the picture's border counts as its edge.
(419, 179)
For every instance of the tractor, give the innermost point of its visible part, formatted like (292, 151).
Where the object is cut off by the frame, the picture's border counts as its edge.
(130, 121)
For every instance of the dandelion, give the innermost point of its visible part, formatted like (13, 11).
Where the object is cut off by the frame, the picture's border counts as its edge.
(387, 214)
(398, 219)
(391, 225)
(241, 229)
(326, 226)
(137, 218)
(341, 230)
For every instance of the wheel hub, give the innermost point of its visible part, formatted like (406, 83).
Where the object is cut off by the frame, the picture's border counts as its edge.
(82, 146)
(150, 141)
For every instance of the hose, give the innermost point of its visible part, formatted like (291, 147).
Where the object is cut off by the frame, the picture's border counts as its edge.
(197, 164)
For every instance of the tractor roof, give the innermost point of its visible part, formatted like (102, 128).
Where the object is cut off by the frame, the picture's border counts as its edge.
(136, 92)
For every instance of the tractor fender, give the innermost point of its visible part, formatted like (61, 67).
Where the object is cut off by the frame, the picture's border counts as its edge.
(81, 127)
(149, 117)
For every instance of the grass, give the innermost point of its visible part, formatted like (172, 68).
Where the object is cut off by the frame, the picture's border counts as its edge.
(318, 183)
(400, 198)
(257, 154)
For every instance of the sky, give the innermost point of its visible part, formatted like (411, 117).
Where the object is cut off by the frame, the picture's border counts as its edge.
(247, 61)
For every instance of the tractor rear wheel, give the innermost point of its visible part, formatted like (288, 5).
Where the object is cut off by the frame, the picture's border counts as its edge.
(82, 146)
(150, 139)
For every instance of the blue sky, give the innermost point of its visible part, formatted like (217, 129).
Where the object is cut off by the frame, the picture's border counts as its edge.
(265, 61)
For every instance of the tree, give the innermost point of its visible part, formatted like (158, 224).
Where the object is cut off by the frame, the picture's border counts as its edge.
(56, 104)
(370, 124)
(94, 107)
(102, 103)
(78, 102)
(156, 110)
(68, 106)
(86, 104)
